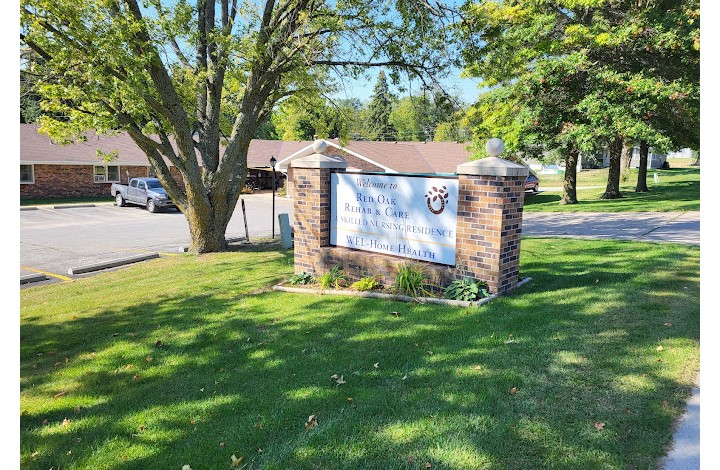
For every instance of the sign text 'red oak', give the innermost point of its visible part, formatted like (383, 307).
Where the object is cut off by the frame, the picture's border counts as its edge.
(409, 216)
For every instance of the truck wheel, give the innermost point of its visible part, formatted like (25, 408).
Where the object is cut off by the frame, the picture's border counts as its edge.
(151, 207)
(119, 201)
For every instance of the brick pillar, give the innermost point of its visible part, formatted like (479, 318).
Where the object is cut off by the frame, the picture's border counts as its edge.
(311, 181)
(490, 205)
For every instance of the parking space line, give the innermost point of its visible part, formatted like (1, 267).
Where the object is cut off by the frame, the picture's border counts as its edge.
(58, 276)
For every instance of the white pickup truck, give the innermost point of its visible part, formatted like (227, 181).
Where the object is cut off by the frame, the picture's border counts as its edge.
(146, 192)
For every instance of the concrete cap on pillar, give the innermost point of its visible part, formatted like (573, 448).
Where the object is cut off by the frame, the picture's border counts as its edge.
(492, 166)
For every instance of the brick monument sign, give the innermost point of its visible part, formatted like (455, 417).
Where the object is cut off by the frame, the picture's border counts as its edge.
(368, 223)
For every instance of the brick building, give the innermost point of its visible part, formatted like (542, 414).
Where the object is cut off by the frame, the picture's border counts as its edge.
(49, 170)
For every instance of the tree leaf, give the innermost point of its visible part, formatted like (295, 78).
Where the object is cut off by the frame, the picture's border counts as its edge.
(235, 462)
(311, 422)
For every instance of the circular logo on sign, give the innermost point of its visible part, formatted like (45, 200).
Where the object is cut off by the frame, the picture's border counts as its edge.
(437, 197)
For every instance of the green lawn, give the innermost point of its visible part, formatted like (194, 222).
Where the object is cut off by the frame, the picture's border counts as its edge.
(678, 190)
(189, 360)
(66, 200)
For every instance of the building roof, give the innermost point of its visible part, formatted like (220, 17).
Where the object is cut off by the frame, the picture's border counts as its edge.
(410, 157)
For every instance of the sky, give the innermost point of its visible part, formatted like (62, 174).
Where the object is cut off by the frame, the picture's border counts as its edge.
(465, 88)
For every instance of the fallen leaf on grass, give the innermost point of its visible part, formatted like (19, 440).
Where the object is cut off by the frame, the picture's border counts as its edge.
(667, 324)
(513, 391)
(405, 377)
(235, 462)
(149, 358)
(34, 454)
(260, 450)
(428, 465)
(222, 444)
(69, 452)
(61, 394)
(158, 343)
(349, 399)
(66, 422)
(186, 467)
(45, 422)
(659, 348)
(311, 422)
(666, 404)
(334, 377)
(341, 380)
(599, 426)
(376, 365)
(136, 377)
(193, 421)
(396, 314)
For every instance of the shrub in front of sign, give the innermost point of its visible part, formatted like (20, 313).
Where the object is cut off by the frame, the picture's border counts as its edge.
(366, 284)
(467, 289)
(335, 278)
(412, 280)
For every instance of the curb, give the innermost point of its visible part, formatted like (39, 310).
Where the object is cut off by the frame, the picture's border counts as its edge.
(32, 278)
(29, 208)
(404, 298)
(111, 264)
(72, 206)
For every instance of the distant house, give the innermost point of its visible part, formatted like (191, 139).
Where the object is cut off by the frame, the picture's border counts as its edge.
(48, 170)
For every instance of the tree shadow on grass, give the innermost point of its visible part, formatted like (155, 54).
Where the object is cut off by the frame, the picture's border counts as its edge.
(431, 384)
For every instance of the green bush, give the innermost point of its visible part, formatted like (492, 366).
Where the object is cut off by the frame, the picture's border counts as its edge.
(302, 278)
(366, 284)
(467, 289)
(411, 280)
(335, 278)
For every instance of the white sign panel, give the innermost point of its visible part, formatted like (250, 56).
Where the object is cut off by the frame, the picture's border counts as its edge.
(410, 216)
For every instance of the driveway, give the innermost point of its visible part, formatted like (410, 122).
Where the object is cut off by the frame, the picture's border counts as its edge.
(675, 227)
(54, 240)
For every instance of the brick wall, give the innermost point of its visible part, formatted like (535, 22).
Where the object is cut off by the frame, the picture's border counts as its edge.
(488, 229)
(65, 181)
(312, 218)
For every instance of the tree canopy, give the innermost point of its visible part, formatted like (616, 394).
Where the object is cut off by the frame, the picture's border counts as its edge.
(193, 82)
(577, 76)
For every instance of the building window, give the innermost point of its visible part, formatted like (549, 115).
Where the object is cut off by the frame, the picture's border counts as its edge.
(26, 174)
(107, 174)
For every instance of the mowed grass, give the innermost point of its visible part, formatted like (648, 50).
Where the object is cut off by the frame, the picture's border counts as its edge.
(190, 360)
(66, 200)
(678, 190)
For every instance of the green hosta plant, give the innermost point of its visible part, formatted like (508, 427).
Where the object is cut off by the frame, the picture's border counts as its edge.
(467, 289)
(366, 284)
(334, 278)
(302, 278)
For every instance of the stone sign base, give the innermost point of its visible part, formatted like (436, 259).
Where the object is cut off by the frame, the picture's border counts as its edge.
(357, 264)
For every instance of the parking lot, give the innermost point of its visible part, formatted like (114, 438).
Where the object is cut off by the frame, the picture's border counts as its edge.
(55, 240)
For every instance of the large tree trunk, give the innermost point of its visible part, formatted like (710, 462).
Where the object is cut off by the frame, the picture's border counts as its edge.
(626, 157)
(612, 190)
(570, 182)
(641, 186)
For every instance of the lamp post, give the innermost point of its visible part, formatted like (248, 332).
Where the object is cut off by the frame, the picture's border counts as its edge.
(272, 164)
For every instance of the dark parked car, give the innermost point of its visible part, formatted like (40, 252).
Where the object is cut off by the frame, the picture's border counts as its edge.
(532, 182)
